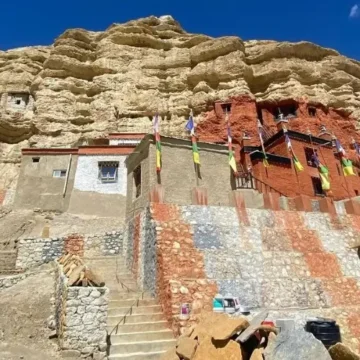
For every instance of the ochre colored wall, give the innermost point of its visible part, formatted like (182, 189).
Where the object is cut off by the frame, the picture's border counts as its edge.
(37, 188)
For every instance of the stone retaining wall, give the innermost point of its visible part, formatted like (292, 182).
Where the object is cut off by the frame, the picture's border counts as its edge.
(140, 250)
(110, 243)
(80, 316)
(293, 263)
(36, 251)
(11, 280)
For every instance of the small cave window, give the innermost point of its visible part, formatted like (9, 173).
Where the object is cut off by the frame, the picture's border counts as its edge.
(35, 159)
(226, 108)
(108, 171)
(59, 173)
(18, 101)
(356, 192)
(137, 181)
(316, 182)
(312, 111)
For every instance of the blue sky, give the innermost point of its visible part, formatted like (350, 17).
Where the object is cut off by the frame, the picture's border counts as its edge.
(327, 23)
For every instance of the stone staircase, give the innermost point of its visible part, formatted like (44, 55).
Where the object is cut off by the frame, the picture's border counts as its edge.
(136, 325)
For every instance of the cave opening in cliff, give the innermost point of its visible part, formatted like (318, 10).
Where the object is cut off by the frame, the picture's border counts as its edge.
(287, 111)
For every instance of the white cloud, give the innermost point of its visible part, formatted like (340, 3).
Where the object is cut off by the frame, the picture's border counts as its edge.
(355, 11)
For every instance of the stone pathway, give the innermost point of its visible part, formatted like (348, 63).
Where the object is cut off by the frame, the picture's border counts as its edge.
(137, 327)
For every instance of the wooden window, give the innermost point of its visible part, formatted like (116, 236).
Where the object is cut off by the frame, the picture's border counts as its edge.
(226, 108)
(309, 152)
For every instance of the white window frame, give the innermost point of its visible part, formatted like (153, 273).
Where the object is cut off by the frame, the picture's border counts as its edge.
(59, 173)
(108, 179)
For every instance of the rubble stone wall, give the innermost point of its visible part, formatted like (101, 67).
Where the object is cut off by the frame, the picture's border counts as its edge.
(293, 263)
(11, 280)
(110, 243)
(36, 251)
(140, 250)
(81, 314)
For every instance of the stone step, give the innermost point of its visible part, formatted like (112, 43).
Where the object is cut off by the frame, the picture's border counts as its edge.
(128, 295)
(128, 303)
(122, 284)
(134, 310)
(106, 260)
(141, 336)
(110, 269)
(148, 346)
(134, 319)
(122, 288)
(124, 276)
(139, 356)
(139, 327)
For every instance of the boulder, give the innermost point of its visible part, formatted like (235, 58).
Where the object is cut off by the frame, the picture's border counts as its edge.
(218, 350)
(342, 352)
(254, 326)
(296, 345)
(186, 348)
(221, 326)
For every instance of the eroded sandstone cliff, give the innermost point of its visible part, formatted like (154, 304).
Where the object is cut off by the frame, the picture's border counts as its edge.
(90, 83)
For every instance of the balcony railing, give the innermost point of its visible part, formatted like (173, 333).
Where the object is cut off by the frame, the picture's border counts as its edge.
(246, 180)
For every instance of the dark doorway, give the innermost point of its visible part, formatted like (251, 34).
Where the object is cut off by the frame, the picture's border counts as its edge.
(316, 182)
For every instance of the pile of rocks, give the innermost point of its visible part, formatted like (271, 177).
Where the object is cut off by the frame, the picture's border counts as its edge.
(219, 337)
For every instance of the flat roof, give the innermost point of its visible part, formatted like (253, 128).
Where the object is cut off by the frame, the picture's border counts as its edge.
(300, 137)
(49, 151)
(122, 149)
(126, 135)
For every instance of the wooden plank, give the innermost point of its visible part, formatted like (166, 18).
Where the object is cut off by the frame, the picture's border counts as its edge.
(72, 267)
(74, 276)
(95, 279)
(64, 258)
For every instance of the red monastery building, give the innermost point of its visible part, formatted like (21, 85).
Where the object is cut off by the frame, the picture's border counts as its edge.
(310, 128)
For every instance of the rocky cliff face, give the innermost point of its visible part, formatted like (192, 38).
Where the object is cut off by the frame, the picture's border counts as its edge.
(90, 83)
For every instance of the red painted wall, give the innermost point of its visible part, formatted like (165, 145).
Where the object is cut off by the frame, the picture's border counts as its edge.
(243, 118)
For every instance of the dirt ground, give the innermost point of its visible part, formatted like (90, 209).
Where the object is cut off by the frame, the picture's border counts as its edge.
(18, 224)
(24, 310)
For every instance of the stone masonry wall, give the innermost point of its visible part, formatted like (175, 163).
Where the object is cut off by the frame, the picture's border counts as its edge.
(81, 314)
(110, 243)
(74, 244)
(140, 250)
(36, 251)
(166, 263)
(293, 263)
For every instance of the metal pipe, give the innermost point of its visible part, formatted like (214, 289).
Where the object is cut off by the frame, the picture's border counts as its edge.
(67, 175)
